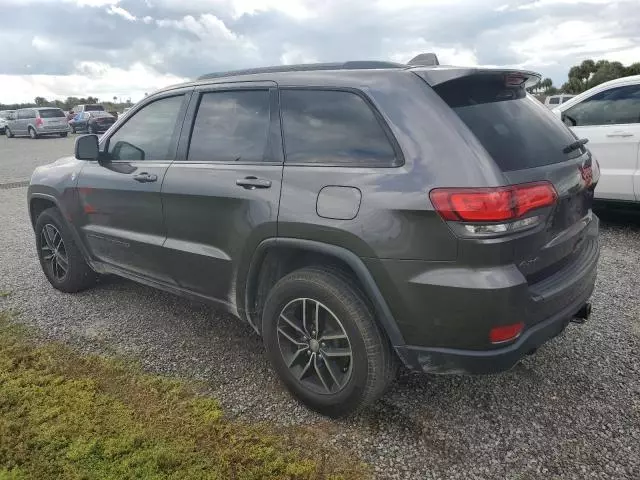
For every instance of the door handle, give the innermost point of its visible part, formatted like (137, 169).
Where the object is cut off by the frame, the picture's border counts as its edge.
(251, 183)
(145, 177)
(620, 134)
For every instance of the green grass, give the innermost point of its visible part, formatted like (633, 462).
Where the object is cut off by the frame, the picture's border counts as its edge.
(64, 415)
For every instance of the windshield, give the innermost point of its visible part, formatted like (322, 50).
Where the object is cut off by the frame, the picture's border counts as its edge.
(51, 113)
(93, 108)
(516, 130)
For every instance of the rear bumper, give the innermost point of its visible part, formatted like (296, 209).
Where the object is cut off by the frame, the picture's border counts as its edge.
(52, 131)
(445, 313)
(473, 362)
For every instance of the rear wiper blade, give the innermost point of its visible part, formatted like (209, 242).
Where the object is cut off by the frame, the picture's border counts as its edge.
(575, 145)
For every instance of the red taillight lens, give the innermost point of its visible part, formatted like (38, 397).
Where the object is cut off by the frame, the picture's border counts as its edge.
(491, 204)
(505, 333)
(39, 122)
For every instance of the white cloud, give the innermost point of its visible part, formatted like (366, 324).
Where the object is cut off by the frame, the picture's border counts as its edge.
(115, 10)
(91, 78)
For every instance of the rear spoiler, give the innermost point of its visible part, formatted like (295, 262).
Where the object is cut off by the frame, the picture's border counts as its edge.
(438, 75)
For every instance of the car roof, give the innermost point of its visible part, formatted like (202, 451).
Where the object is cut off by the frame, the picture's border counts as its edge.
(346, 74)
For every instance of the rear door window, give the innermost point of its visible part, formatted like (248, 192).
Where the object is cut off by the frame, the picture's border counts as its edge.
(329, 127)
(231, 126)
(515, 129)
(616, 106)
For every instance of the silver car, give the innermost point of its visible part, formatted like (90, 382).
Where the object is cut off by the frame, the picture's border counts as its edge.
(35, 122)
(4, 116)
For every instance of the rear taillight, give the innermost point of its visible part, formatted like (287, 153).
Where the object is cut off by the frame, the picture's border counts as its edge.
(505, 333)
(494, 204)
(39, 122)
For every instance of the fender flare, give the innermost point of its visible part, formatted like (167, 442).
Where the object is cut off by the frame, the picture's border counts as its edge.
(383, 313)
(65, 218)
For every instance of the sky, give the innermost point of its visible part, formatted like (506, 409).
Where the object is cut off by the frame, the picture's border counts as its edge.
(125, 48)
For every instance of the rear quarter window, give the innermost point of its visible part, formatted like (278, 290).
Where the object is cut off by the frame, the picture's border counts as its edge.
(331, 127)
(515, 129)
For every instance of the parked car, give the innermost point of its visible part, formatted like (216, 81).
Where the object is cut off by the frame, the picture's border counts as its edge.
(84, 108)
(36, 122)
(92, 122)
(88, 108)
(553, 100)
(4, 116)
(357, 215)
(608, 115)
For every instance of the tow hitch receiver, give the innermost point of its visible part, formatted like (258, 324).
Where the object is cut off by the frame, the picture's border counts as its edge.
(583, 314)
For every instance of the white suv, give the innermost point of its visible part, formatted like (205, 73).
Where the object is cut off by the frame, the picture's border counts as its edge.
(608, 115)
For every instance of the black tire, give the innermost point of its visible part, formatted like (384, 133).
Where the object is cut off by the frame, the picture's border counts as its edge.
(372, 364)
(91, 129)
(63, 134)
(32, 133)
(8, 132)
(73, 129)
(79, 275)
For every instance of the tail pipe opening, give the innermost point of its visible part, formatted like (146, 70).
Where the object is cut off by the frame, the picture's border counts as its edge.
(583, 314)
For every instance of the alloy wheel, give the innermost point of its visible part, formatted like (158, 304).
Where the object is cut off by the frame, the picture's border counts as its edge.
(54, 253)
(315, 346)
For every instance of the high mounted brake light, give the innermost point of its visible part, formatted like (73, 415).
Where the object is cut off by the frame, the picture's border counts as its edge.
(493, 204)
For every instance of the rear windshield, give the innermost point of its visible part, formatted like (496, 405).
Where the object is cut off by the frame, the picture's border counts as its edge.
(93, 108)
(517, 130)
(51, 113)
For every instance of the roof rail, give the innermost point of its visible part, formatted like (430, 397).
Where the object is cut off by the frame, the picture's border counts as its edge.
(425, 60)
(307, 67)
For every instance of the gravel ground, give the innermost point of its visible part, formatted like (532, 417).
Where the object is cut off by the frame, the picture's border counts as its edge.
(16, 165)
(570, 411)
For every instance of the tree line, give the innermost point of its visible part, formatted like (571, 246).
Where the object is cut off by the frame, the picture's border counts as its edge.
(69, 103)
(585, 76)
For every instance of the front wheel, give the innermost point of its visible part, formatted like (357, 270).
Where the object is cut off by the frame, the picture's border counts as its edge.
(8, 132)
(60, 258)
(323, 342)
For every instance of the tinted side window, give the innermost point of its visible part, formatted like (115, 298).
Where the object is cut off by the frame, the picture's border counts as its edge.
(21, 114)
(147, 135)
(615, 106)
(554, 101)
(231, 126)
(333, 127)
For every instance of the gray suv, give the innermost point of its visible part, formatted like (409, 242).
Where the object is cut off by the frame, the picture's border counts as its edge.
(36, 122)
(359, 216)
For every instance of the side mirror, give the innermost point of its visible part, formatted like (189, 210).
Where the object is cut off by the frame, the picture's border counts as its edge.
(87, 147)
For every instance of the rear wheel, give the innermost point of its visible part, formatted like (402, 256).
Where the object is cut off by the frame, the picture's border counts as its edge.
(322, 340)
(60, 258)
(32, 133)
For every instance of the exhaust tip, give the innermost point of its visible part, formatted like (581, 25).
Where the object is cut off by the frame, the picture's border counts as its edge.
(582, 315)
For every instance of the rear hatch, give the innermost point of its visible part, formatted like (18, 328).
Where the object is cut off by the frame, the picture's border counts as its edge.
(531, 147)
(52, 119)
